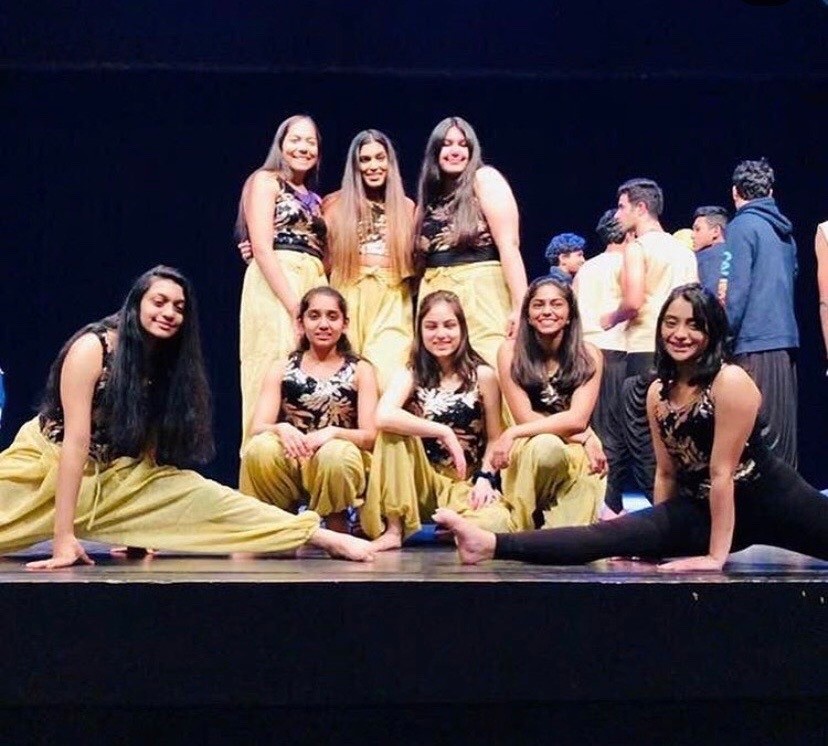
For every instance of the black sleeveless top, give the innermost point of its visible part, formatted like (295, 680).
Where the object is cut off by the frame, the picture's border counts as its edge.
(309, 403)
(688, 431)
(52, 420)
(297, 221)
(548, 400)
(438, 235)
(462, 411)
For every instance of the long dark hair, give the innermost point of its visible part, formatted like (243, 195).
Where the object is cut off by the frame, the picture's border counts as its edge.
(432, 184)
(575, 364)
(343, 344)
(157, 397)
(275, 162)
(354, 211)
(711, 319)
(424, 368)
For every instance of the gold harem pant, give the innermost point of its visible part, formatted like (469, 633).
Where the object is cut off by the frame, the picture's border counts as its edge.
(138, 503)
(267, 332)
(545, 474)
(330, 481)
(404, 484)
(484, 296)
(381, 326)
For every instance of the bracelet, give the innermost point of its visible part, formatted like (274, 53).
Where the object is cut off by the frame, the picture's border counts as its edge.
(492, 477)
(586, 440)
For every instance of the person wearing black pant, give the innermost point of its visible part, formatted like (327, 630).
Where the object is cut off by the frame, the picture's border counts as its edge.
(718, 488)
(597, 287)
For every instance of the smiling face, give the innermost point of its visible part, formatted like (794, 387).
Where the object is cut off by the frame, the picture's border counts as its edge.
(684, 341)
(162, 308)
(454, 152)
(548, 311)
(300, 147)
(323, 322)
(372, 161)
(440, 331)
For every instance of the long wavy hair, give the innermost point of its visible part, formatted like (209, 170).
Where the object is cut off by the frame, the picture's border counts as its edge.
(157, 397)
(433, 185)
(529, 364)
(353, 210)
(711, 319)
(275, 162)
(343, 344)
(424, 368)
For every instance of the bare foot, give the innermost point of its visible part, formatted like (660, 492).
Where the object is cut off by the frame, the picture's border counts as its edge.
(391, 539)
(342, 546)
(473, 544)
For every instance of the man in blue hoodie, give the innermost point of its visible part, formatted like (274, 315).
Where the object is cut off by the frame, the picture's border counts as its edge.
(757, 289)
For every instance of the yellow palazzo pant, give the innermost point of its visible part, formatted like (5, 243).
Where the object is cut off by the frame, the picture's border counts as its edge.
(267, 332)
(330, 481)
(137, 503)
(381, 326)
(547, 474)
(484, 296)
(404, 484)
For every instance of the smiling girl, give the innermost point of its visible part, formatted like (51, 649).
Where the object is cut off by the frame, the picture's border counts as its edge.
(554, 462)
(370, 222)
(718, 489)
(126, 408)
(468, 235)
(313, 426)
(437, 421)
(281, 217)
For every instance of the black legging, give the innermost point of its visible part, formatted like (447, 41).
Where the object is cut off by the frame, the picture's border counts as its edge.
(780, 508)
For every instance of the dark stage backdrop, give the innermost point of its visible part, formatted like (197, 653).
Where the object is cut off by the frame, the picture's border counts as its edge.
(128, 129)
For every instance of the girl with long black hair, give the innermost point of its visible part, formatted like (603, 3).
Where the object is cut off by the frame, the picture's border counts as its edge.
(126, 409)
(717, 490)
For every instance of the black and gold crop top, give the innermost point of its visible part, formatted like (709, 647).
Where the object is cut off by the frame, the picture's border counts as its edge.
(52, 421)
(687, 432)
(372, 232)
(548, 400)
(309, 403)
(462, 411)
(297, 221)
(437, 233)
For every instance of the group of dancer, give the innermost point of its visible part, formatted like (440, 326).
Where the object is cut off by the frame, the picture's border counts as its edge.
(426, 380)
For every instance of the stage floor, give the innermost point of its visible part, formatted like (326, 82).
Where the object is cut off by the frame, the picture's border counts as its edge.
(431, 564)
(413, 648)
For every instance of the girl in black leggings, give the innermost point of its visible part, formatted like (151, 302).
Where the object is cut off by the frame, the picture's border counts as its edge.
(717, 489)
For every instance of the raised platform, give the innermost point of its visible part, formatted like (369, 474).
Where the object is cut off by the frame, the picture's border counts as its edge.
(415, 648)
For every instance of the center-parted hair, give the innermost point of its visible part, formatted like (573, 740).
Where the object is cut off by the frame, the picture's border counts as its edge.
(529, 364)
(709, 316)
(275, 161)
(433, 185)
(646, 191)
(343, 344)
(424, 368)
(157, 397)
(753, 179)
(354, 210)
